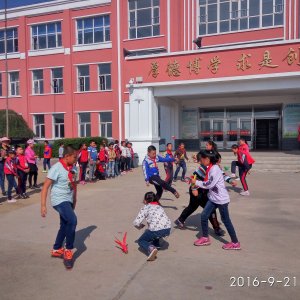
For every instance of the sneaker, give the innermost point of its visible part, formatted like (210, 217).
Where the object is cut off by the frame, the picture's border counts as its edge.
(17, 197)
(232, 246)
(238, 178)
(232, 175)
(58, 253)
(175, 179)
(179, 224)
(11, 201)
(44, 171)
(219, 232)
(68, 259)
(35, 186)
(203, 241)
(245, 193)
(152, 253)
(176, 194)
(82, 182)
(30, 187)
(3, 193)
(182, 179)
(26, 196)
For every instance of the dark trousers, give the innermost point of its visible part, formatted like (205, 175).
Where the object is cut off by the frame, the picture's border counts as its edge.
(223, 209)
(117, 167)
(46, 162)
(123, 163)
(234, 164)
(2, 177)
(33, 172)
(83, 167)
(11, 184)
(128, 163)
(160, 185)
(195, 202)
(180, 165)
(151, 238)
(68, 223)
(22, 179)
(243, 170)
(169, 173)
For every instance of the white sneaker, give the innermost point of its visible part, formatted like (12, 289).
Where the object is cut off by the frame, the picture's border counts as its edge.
(232, 175)
(245, 193)
(12, 201)
(238, 179)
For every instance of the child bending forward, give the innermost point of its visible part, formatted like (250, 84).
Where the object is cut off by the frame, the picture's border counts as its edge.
(159, 225)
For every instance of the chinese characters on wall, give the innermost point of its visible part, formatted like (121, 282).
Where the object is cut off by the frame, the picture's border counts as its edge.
(214, 64)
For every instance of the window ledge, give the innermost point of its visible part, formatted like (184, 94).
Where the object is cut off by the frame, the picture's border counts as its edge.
(17, 96)
(143, 38)
(47, 94)
(11, 55)
(97, 91)
(86, 47)
(46, 51)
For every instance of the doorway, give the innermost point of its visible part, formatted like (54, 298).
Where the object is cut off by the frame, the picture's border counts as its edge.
(267, 132)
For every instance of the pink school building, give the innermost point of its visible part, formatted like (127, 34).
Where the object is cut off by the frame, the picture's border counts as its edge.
(155, 71)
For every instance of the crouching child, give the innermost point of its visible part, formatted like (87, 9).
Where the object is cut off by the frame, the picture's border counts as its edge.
(159, 225)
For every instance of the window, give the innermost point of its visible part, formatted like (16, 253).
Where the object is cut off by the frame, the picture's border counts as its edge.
(11, 40)
(57, 81)
(217, 16)
(84, 124)
(143, 18)
(0, 84)
(106, 124)
(37, 82)
(59, 125)
(14, 84)
(93, 30)
(83, 78)
(45, 36)
(104, 77)
(39, 126)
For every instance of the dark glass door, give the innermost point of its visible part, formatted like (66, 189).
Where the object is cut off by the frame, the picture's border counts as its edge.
(267, 134)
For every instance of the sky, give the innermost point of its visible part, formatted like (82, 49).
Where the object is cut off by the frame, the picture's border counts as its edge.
(16, 3)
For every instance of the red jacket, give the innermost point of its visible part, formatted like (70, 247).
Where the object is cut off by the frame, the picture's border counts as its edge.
(47, 152)
(21, 162)
(244, 155)
(10, 167)
(102, 156)
(83, 156)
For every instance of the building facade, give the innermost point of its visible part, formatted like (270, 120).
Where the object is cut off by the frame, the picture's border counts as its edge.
(155, 71)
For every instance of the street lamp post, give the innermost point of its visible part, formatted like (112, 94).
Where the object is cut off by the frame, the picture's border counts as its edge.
(6, 64)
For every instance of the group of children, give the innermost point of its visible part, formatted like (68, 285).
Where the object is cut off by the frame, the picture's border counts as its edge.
(207, 189)
(111, 161)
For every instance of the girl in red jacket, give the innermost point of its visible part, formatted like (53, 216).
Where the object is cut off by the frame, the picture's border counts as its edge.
(22, 172)
(245, 162)
(10, 170)
(83, 159)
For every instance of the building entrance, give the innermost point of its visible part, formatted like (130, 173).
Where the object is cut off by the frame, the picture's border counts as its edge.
(267, 132)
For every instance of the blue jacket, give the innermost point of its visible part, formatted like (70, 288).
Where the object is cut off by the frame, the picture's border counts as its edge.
(150, 165)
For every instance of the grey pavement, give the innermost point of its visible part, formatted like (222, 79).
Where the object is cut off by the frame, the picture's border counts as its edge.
(267, 224)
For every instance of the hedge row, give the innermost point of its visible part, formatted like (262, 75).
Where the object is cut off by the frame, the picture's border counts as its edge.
(75, 142)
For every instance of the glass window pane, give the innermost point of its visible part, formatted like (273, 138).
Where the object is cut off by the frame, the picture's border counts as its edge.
(267, 6)
(212, 27)
(98, 22)
(254, 22)
(88, 129)
(132, 33)
(84, 117)
(234, 25)
(108, 82)
(238, 112)
(144, 31)
(109, 130)
(143, 3)
(105, 117)
(212, 113)
(155, 2)
(202, 29)
(88, 23)
(83, 71)
(51, 28)
(58, 118)
(107, 20)
(144, 17)
(79, 24)
(57, 73)
(104, 69)
(103, 130)
(156, 30)
(224, 11)
(267, 21)
(42, 42)
(278, 19)
(51, 41)
(224, 26)
(132, 4)
(41, 29)
(88, 36)
(212, 13)
(99, 37)
(254, 7)
(244, 24)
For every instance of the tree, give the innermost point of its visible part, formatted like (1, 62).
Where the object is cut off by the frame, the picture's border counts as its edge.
(18, 128)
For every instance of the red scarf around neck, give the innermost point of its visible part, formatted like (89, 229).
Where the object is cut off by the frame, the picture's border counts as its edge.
(70, 175)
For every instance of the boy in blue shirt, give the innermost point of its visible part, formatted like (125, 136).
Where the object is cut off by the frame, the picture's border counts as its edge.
(93, 155)
(62, 180)
(151, 172)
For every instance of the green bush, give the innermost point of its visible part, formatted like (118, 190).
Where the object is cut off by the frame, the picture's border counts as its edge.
(75, 142)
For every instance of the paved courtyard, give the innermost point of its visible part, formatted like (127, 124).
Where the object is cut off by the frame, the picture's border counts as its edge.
(267, 224)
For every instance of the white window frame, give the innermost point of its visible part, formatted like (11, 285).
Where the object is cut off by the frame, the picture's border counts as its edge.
(58, 42)
(85, 125)
(153, 23)
(105, 124)
(238, 15)
(59, 125)
(14, 38)
(106, 76)
(14, 86)
(105, 28)
(39, 82)
(57, 84)
(39, 126)
(84, 80)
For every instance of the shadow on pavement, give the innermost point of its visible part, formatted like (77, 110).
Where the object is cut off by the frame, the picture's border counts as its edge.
(80, 237)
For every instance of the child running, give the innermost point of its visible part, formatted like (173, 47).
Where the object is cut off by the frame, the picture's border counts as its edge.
(159, 225)
(244, 162)
(169, 165)
(151, 173)
(180, 154)
(62, 180)
(10, 170)
(218, 197)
